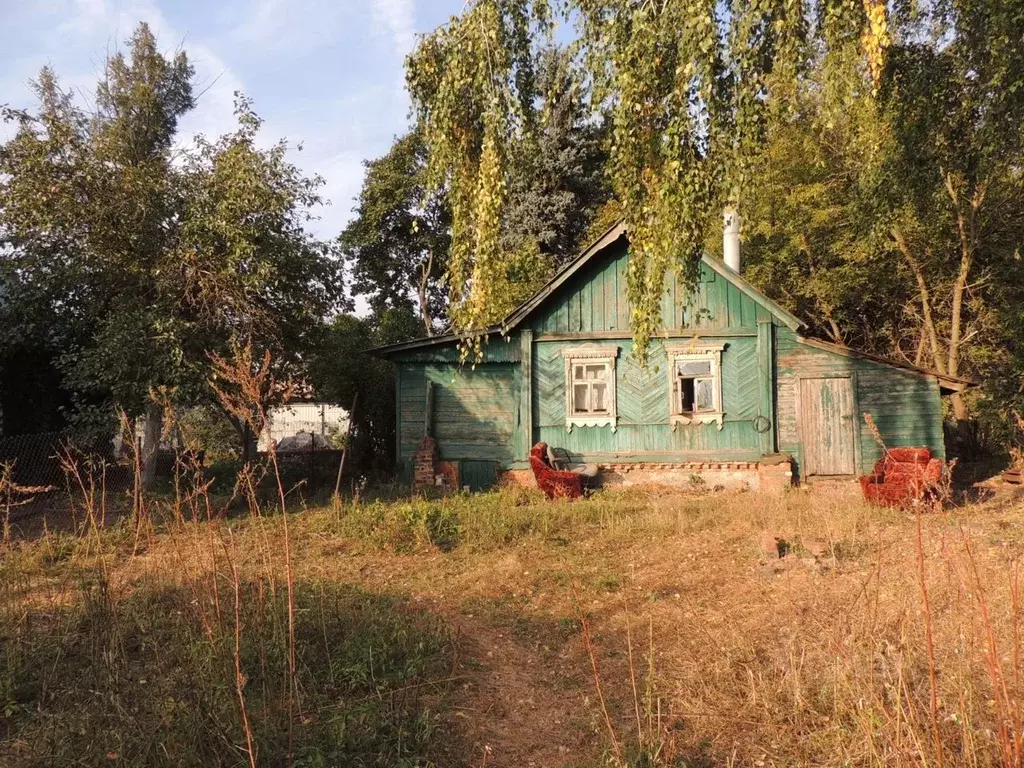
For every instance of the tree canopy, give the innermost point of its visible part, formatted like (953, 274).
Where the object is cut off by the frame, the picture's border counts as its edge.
(872, 149)
(137, 256)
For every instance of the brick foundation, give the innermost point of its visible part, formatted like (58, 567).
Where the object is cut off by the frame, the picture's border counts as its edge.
(428, 471)
(517, 478)
(771, 475)
(775, 474)
(447, 477)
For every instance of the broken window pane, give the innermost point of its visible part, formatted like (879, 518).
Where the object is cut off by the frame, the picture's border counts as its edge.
(685, 395)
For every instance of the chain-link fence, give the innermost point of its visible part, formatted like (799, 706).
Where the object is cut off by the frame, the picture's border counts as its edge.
(47, 480)
(44, 479)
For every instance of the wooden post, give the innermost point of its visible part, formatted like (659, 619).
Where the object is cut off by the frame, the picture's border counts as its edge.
(525, 393)
(348, 438)
(428, 418)
(766, 383)
(398, 417)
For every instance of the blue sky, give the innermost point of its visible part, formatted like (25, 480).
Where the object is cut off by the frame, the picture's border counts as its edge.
(326, 73)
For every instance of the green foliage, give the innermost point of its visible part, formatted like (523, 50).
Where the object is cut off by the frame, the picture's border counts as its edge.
(135, 257)
(472, 84)
(557, 183)
(686, 84)
(397, 244)
(340, 369)
(810, 239)
(889, 215)
(480, 521)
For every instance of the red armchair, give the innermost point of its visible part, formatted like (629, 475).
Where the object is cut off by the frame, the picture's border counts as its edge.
(902, 476)
(554, 482)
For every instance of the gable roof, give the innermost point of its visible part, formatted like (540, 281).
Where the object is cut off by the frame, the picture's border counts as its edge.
(946, 382)
(611, 236)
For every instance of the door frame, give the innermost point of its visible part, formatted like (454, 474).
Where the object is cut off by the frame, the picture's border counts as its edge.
(858, 460)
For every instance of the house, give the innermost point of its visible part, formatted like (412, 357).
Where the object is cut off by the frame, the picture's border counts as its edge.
(733, 393)
(305, 417)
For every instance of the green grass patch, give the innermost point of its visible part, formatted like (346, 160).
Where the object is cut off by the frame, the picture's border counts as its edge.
(148, 678)
(482, 521)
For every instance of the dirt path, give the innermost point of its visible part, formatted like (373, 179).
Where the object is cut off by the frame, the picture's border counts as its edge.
(524, 688)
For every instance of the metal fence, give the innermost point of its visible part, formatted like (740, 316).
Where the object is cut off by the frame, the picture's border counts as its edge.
(45, 478)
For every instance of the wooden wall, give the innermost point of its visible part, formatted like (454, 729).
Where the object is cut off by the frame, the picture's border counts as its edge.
(474, 413)
(642, 399)
(486, 414)
(595, 300)
(906, 406)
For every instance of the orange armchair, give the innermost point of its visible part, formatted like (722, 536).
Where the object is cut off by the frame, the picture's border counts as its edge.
(902, 476)
(554, 482)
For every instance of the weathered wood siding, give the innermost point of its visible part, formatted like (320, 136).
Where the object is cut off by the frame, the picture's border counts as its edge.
(474, 413)
(827, 429)
(905, 405)
(595, 300)
(643, 430)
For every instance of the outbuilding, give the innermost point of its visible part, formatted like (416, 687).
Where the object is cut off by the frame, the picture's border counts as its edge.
(733, 393)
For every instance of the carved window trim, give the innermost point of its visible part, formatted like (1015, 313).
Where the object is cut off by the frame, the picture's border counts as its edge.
(695, 351)
(590, 354)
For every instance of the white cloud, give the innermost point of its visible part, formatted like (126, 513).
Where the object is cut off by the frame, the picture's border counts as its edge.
(399, 18)
(302, 26)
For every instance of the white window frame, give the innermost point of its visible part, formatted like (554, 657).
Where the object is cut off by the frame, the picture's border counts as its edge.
(590, 354)
(695, 351)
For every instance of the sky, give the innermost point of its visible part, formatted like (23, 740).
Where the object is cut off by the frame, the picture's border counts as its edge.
(324, 73)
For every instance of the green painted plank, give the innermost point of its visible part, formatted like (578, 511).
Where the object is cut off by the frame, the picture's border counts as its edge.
(906, 407)
(766, 405)
(597, 302)
(643, 404)
(621, 283)
(478, 475)
(526, 396)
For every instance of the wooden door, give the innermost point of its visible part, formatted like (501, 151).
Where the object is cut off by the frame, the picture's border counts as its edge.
(826, 420)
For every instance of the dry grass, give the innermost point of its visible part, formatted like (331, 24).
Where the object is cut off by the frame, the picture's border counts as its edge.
(710, 649)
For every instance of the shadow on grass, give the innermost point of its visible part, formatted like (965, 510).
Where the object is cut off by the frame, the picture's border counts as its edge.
(150, 678)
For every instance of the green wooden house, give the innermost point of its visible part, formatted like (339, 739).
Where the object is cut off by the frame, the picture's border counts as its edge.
(730, 385)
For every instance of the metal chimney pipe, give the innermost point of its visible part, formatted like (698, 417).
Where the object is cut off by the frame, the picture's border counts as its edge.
(731, 239)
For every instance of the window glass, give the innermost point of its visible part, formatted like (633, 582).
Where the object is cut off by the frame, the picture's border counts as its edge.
(704, 397)
(580, 399)
(693, 367)
(590, 389)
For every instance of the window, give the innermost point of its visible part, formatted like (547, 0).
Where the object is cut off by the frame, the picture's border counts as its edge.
(590, 385)
(695, 384)
(590, 388)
